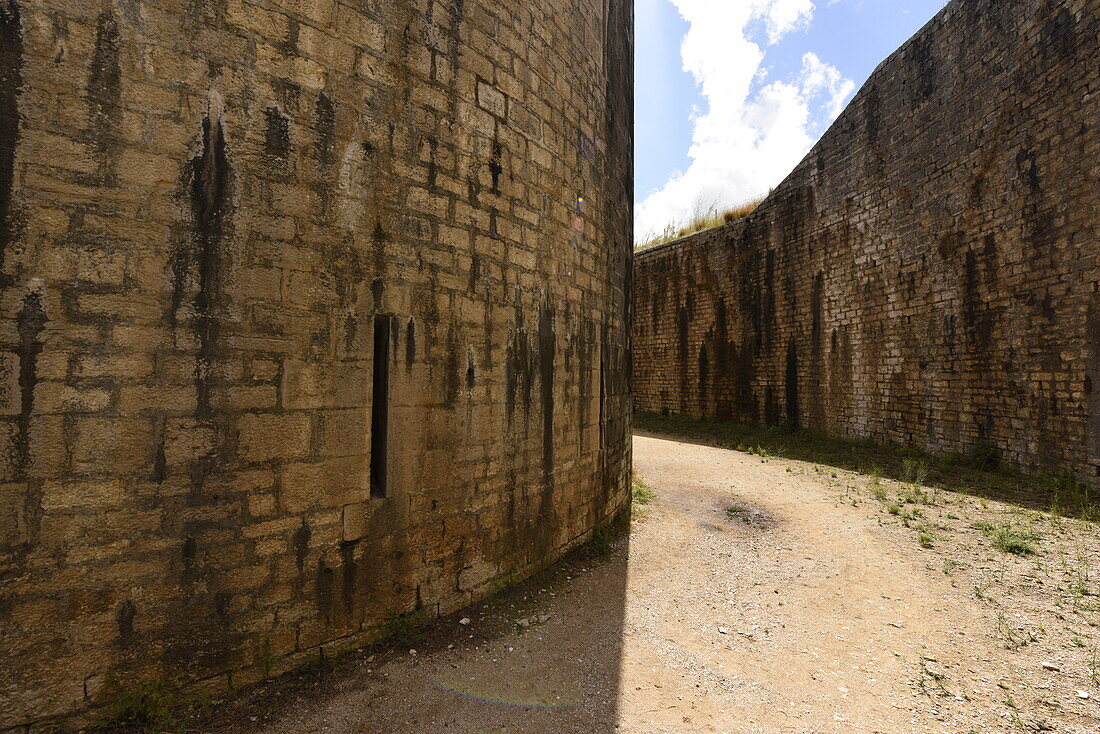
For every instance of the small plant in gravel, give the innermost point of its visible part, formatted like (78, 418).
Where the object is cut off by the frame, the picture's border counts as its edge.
(914, 471)
(641, 494)
(894, 508)
(925, 540)
(930, 673)
(1013, 638)
(1070, 496)
(1010, 540)
(914, 495)
(1007, 538)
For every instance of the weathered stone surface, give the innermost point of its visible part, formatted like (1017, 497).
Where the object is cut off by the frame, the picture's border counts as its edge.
(929, 274)
(204, 210)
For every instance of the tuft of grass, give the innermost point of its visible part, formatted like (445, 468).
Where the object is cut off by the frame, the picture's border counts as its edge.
(1069, 496)
(1012, 541)
(1007, 538)
(703, 219)
(641, 494)
(601, 544)
(1012, 637)
(984, 455)
(405, 629)
(875, 484)
(914, 495)
(737, 512)
(149, 705)
(894, 508)
(914, 471)
(925, 540)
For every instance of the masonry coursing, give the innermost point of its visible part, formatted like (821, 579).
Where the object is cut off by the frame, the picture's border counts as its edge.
(215, 217)
(929, 274)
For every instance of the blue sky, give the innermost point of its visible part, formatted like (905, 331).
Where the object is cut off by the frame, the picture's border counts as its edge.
(731, 94)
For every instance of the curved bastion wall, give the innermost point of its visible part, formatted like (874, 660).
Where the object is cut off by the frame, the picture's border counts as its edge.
(314, 313)
(929, 274)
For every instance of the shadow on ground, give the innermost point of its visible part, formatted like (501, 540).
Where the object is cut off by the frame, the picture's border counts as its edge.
(540, 657)
(978, 472)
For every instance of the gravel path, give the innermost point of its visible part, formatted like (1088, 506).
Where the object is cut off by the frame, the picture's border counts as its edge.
(753, 595)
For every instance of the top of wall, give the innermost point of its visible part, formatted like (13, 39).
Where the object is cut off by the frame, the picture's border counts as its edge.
(978, 25)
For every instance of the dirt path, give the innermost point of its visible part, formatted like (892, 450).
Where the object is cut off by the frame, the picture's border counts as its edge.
(755, 595)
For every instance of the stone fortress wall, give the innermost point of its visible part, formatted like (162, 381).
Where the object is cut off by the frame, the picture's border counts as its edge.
(312, 313)
(929, 274)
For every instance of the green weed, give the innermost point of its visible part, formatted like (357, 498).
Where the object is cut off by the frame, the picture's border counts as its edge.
(641, 494)
(149, 705)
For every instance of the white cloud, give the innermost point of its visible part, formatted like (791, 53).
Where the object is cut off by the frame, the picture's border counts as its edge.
(750, 136)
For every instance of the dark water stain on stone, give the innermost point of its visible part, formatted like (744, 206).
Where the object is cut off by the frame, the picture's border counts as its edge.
(475, 271)
(30, 324)
(324, 121)
(1028, 165)
(816, 297)
(211, 209)
(326, 581)
(793, 418)
(547, 347)
(496, 167)
(771, 407)
(470, 372)
(451, 378)
(767, 306)
(1092, 366)
(189, 553)
(125, 618)
(433, 166)
(277, 134)
(1059, 36)
(379, 239)
(410, 345)
(11, 81)
(160, 458)
(473, 185)
(223, 602)
(351, 332)
(302, 537)
(105, 98)
(347, 553)
(377, 290)
(872, 113)
(922, 60)
(682, 353)
(518, 368)
(704, 378)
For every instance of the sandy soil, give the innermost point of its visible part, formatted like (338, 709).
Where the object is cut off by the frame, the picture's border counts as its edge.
(752, 595)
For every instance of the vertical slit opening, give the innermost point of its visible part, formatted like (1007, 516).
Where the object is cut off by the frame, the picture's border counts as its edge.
(380, 409)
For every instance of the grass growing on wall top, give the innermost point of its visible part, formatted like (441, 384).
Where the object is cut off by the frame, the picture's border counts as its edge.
(700, 222)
